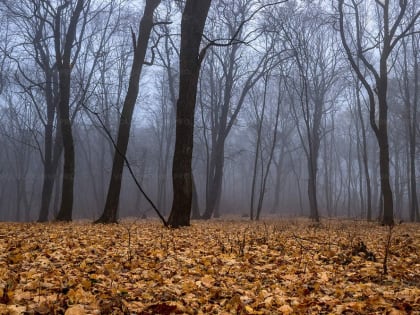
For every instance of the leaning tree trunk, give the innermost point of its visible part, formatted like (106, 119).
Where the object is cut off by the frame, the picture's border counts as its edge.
(110, 212)
(192, 26)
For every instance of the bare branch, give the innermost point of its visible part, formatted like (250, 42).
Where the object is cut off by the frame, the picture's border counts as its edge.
(234, 39)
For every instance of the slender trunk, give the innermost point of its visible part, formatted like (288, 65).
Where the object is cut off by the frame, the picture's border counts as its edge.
(360, 168)
(414, 204)
(216, 163)
(327, 180)
(215, 179)
(349, 177)
(260, 120)
(110, 213)
(298, 176)
(312, 194)
(313, 145)
(195, 207)
(270, 158)
(278, 187)
(365, 157)
(255, 171)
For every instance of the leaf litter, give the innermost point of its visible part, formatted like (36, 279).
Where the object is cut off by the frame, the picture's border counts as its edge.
(212, 267)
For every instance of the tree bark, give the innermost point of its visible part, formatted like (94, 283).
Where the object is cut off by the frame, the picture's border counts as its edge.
(192, 26)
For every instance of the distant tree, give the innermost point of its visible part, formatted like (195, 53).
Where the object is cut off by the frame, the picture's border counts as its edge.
(358, 43)
(231, 71)
(403, 96)
(18, 128)
(192, 25)
(38, 79)
(267, 131)
(313, 48)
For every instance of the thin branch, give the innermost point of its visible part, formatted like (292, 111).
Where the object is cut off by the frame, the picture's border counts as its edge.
(128, 165)
(233, 40)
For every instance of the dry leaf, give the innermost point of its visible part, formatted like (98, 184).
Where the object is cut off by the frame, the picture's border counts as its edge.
(218, 267)
(75, 310)
(286, 309)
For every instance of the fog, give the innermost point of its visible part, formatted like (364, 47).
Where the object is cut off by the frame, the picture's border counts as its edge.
(283, 126)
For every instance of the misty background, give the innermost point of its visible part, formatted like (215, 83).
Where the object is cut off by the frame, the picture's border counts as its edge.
(262, 101)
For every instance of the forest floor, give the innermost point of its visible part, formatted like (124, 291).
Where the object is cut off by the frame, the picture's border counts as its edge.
(212, 267)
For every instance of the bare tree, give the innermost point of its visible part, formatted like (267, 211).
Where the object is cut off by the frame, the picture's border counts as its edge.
(232, 71)
(110, 212)
(316, 61)
(407, 68)
(267, 132)
(63, 44)
(358, 44)
(19, 128)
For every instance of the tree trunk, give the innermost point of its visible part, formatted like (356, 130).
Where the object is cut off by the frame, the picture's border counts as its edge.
(365, 157)
(382, 137)
(216, 178)
(192, 26)
(195, 206)
(414, 203)
(312, 194)
(272, 149)
(110, 213)
(64, 66)
(66, 206)
(279, 179)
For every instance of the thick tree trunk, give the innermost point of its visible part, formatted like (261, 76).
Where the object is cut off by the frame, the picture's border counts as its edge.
(382, 137)
(66, 206)
(388, 203)
(192, 26)
(64, 66)
(110, 213)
